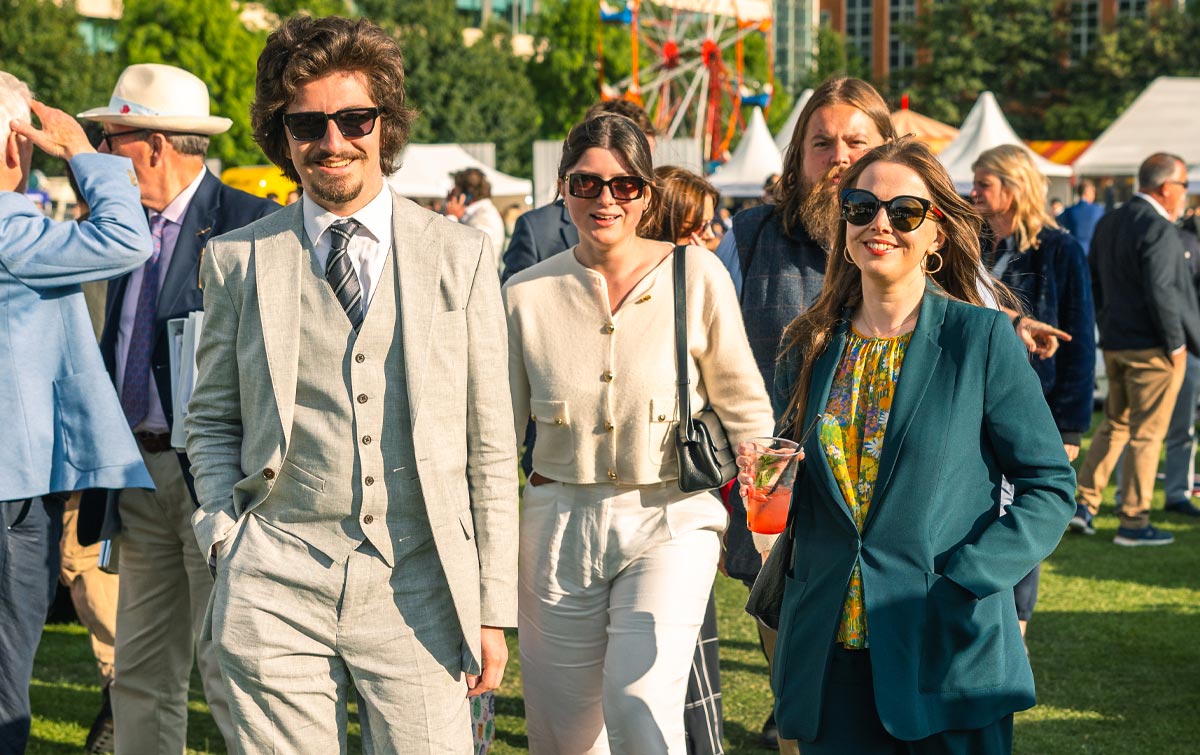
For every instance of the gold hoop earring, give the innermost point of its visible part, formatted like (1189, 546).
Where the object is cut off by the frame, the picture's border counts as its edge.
(846, 254)
(926, 258)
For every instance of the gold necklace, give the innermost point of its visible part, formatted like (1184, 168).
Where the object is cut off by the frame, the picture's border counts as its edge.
(885, 333)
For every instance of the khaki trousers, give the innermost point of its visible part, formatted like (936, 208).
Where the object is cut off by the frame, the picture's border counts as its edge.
(165, 586)
(1142, 387)
(93, 592)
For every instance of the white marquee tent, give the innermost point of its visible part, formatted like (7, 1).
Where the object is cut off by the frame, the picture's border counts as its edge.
(986, 127)
(784, 137)
(425, 172)
(1163, 118)
(755, 158)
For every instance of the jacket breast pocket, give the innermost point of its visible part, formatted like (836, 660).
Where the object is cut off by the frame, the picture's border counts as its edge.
(963, 643)
(84, 416)
(555, 443)
(664, 416)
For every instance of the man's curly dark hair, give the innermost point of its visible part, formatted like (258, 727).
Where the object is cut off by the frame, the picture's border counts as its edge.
(304, 49)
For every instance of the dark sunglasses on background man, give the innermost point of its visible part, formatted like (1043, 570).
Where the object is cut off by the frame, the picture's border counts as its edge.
(622, 188)
(859, 207)
(353, 123)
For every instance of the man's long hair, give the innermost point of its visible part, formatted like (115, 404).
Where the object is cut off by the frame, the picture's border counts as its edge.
(304, 49)
(790, 191)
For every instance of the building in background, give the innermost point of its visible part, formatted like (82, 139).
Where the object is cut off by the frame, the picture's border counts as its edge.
(872, 28)
(796, 23)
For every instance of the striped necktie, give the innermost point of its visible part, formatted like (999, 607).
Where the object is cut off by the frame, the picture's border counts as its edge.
(340, 273)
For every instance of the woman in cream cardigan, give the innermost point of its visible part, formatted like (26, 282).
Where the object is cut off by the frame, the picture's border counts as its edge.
(616, 562)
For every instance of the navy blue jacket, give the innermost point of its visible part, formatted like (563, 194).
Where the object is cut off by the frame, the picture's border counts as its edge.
(1054, 286)
(537, 235)
(1080, 221)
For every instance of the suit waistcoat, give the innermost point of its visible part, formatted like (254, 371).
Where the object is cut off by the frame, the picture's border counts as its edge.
(349, 473)
(784, 278)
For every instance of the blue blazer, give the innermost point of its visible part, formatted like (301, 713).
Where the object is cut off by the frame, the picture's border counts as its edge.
(938, 560)
(63, 425)
(537, 235)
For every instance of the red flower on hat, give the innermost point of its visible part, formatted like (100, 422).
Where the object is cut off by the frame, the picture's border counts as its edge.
(124, 109)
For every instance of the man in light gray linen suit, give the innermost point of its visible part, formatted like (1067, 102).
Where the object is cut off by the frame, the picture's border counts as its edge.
(351, 429)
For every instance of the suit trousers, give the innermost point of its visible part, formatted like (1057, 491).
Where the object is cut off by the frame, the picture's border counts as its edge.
(850, 722)
(612, 589)
(93, 591)
(28, 572)
(1142, 387)
(165, 586)
(295, 631)
(1181, 436)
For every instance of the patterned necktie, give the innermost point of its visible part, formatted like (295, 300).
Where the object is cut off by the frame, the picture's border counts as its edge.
(340, 273)
(135, 389)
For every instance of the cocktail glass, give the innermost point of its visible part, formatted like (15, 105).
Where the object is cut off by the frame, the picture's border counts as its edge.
(773, 465)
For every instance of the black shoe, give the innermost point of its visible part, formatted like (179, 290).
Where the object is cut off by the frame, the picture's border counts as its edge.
(1187, 508)
(770, 734)
(100, 737)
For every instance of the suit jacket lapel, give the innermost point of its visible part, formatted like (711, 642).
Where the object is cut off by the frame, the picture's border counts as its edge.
(570, 235)
(194, 230)
(920, 363)
(417, 245)
(822, 382)
(281, 253)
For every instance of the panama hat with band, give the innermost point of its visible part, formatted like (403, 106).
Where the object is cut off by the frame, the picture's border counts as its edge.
(163, 98)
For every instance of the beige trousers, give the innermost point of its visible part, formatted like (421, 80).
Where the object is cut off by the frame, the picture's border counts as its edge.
(93, 592)
(1142, 387)
(165, 586)
(295, 631)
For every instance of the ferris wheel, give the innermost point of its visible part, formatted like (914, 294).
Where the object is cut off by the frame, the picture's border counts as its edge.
(679, 73)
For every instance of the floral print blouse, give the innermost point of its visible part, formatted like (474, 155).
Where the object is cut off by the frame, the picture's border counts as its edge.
(851, 436)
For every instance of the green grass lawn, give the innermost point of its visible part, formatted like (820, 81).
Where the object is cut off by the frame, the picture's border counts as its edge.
(1115, 645)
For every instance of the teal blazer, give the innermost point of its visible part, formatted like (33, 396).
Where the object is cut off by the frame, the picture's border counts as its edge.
(939, 561)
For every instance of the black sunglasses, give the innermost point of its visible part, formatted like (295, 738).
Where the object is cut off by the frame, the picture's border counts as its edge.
(859, 207)
(354, 123)
(622, 188)
(107, 138)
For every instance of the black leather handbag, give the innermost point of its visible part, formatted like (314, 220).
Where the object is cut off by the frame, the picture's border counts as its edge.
(705, 459)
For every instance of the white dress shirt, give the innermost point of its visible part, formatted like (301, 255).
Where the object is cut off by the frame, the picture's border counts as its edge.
(368, 249)
(1154, 203)
(155, 421)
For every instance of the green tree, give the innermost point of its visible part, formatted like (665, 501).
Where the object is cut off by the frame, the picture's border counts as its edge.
(1018, 49)
(40, 44)
(206, 38)
(470, 94)
(315, 8)
(564, 71)
(1121, 65)
(835, 58)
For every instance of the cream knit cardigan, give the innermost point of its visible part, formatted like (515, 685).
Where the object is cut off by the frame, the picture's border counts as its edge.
(601, 386)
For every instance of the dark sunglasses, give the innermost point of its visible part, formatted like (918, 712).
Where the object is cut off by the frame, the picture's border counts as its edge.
(354, 123)
(622, 188)
(859, 207)
(108, 138)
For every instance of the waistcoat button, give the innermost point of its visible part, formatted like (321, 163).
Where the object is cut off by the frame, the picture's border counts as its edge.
(366, 440)
(368, 519)
(269, 474)
(369, 480)
(362, 398)
(360, 358)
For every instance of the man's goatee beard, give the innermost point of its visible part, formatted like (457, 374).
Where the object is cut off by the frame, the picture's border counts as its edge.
(820, 212)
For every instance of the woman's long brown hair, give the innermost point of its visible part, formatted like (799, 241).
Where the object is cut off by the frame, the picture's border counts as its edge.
(960, 277)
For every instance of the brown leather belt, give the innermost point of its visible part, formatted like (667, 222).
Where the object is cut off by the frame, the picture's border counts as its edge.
(536, 479)
(154, 443)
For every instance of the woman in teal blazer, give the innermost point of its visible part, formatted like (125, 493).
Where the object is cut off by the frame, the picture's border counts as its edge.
(898, 632)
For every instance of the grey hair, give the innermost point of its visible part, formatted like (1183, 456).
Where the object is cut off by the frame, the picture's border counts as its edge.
(14, 102)
(1158, 169)
(188, 144)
